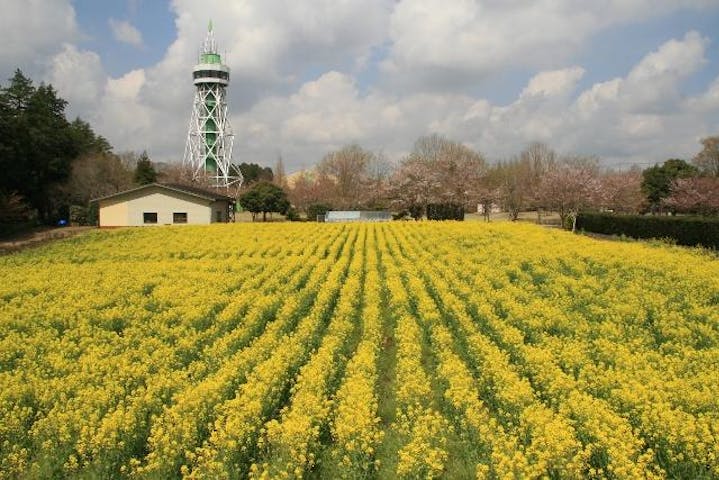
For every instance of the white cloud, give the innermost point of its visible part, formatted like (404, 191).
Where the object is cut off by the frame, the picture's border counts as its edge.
(597, 97)
(295, 82)
(31, 30)
(79, 77)
(125, 32)
(708, 101)
(603, 119)
(125, 117)
(652, 85)
(555, 82)
(126, 87)
(436, 43)
(277, 39)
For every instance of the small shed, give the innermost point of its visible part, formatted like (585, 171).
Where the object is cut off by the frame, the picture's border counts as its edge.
(163, 204)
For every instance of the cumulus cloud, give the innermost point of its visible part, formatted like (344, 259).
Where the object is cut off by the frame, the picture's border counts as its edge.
(299, 81)
(268, 45)
(708, 101)
(122, 112)
(604, 119)
(31, 30)
(277, 40)
(79, 77)
(552, 83)
(435, 43)
(125, 32)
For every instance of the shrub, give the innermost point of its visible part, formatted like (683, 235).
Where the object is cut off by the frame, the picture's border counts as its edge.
(293, 215)
(688, 231)
(400, 215)
(78, 215)
(317, 209)
(445, 211)
(415, 211)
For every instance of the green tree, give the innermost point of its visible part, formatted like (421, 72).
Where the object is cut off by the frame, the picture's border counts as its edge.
(252, 172)
(37, 144)
(316, 209)
(144, 171)
(87, 141)
(657, 180)
(264, 197)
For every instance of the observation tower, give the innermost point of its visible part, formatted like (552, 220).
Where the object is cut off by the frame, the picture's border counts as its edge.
(208, 151)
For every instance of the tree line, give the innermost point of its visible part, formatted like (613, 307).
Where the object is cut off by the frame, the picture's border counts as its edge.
(439, 171)
(51, 164)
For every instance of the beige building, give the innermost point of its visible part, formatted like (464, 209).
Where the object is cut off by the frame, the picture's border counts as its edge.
(163, 204)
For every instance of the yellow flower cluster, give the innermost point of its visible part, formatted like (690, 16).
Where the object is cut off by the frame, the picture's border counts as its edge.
(189, 419)
(239, 421)
(511, 351)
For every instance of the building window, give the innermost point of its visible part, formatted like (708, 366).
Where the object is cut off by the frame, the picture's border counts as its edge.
(218, 216)
(149, 217)
(179, 217)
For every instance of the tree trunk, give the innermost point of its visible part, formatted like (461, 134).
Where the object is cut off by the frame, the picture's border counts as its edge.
(264, 216)
(562, 218)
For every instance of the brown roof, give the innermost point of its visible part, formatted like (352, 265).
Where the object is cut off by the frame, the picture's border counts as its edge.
(197, 191)
(194, 191)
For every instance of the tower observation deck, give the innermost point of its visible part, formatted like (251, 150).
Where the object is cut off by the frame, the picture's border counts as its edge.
(208, 150)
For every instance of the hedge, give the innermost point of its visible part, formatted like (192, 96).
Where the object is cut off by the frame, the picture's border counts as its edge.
(445, 211)
(688, 231)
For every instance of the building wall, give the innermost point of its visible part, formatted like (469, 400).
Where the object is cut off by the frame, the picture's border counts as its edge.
(113, 213)
(357, 216)
(223, 207)
(128, 210)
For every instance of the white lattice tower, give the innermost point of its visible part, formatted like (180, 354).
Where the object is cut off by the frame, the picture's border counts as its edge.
(208, 150)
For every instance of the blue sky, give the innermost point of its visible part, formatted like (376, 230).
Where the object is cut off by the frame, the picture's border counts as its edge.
(154, 19)
(608, 54)
(612, 52)
(632, 82)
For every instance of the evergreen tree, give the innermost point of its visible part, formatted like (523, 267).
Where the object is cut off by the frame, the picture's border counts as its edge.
(36, 142)
(144, 171)
(252, 172)
(657, 180)
(87, 141)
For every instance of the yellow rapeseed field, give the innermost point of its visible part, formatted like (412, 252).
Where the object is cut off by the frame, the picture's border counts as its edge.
(402, 350)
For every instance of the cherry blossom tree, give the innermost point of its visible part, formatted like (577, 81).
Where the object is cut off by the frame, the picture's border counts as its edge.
(621, 191)
(438, 170)
(694, 195)
(569, 186)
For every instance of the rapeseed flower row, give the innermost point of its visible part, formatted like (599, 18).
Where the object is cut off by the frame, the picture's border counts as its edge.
(424, 452)
(235, 351)
(356, 430)
(290, 442)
